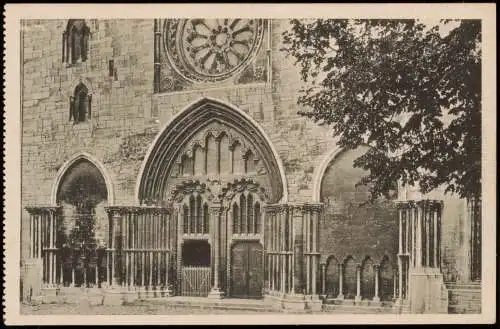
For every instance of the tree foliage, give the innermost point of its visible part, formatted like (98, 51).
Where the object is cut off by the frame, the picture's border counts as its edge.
(406, 89)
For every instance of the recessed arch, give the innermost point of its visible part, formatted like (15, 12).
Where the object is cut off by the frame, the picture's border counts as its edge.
(69, 163)
(320, 170)
(160, 157)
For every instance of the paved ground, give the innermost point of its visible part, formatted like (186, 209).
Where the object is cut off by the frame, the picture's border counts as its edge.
(139, 309)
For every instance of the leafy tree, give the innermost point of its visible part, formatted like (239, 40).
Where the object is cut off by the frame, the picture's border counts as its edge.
(411, 91)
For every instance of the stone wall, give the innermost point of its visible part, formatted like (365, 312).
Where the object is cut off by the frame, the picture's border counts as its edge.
(127, 116)
(464, 298)
(351, 225)
(119, 105)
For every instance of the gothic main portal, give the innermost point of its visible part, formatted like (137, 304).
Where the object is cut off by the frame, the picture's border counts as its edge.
(216, 171)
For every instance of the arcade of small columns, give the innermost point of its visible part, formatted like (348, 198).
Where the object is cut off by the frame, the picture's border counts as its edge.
(142, 246)
(140, 252)
(43, 226)
(419, 241)
(291, 247)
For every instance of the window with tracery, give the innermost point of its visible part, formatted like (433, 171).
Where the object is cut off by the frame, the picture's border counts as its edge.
(246, 213)
(218, 153)
(80, 104)
(195, 216)
(75, 41)
(211, 49)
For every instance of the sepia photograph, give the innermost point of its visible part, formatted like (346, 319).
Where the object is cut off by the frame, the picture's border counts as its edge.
(238, 163)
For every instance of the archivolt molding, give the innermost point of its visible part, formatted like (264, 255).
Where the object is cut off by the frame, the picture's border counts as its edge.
(170, 143)
(74, 158)
(320, 170)
(360, 260)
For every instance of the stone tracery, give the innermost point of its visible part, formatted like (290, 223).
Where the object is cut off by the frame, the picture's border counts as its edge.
(211, 49)
(176, 148)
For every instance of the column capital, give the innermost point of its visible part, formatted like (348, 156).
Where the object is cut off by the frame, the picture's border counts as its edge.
(215, 208)
(307, 206)
(404, 204)
(121, 210)
(37, 209)
(299, 207)
(275, 208)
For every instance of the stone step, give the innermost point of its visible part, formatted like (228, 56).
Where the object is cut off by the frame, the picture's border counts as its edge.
(76, 291)
(463, 286)
(206, 303)
(249, 305)
(358, 309)
(363, 303)
(464, 298)
(96, 296)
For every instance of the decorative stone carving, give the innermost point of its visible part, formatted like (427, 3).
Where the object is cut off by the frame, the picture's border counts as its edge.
(241, 185)
(189, 187)
(122, 210)
(167, 163)
(211, 50)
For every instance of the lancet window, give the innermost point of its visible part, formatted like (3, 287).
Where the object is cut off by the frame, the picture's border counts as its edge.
(246, 211)
(195, 215)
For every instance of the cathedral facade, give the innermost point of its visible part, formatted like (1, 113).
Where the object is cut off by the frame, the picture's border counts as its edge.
(166, 157)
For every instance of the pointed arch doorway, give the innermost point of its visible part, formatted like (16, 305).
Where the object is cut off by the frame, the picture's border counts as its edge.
(215, 152)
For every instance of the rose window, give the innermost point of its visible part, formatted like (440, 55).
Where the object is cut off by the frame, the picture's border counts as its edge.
(211, 49)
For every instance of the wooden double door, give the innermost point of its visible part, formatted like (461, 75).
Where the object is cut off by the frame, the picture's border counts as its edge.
(247, 269)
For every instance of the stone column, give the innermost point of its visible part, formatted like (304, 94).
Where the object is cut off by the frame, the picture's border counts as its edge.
(114, 263)
(31, 229)
(215, 212)
(402, 212)
(109, 251)
(400, 278)
(282, 219)
(167, 219)
(426, 234)
(394, 286)
(133, 246)
(323, 279)
(51, 249)
(314, 250)
(418, 246)
(298, 251)
(178, 260)
(376, 298)
(43, 224)
(400, 221)
(438, 234)
(341, 283)
(357, 298)
(435, 238)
